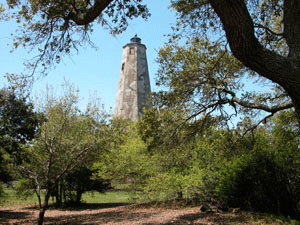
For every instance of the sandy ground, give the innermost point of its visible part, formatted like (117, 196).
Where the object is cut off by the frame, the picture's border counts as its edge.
(118, 214)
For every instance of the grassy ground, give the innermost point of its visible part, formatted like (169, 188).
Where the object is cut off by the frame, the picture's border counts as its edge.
(11, 199)
(108, 197)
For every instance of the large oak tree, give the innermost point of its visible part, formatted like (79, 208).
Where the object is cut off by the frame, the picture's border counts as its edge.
(252, 27)
(262, 34)
(245, 46)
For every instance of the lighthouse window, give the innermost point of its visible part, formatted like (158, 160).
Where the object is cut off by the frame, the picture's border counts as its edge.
(123, 65)
(131, 51)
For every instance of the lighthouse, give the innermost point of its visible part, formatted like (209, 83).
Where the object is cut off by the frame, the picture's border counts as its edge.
(134, 84)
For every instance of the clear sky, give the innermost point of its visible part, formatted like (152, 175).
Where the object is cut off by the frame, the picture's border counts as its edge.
(95, 70)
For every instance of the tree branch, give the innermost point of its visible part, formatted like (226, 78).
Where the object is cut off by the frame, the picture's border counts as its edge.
(257, 124)
(270, 109)
(239, 29)
(72, 162)
(90, 14)
(268, 29)
(255, 105)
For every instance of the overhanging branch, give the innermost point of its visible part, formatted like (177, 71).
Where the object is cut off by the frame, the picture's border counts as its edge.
(266, 108)
(89, 15)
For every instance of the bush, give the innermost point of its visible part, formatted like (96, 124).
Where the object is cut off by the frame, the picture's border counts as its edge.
(258, 182)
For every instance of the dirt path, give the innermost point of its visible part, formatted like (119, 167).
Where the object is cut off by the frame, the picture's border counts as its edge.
(118, 214)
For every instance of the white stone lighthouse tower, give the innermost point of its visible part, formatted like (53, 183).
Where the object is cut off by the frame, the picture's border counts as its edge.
(134, 84)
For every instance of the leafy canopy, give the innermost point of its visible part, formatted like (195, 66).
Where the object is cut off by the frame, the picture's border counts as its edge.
(202, 75)
(262, 34)
(204, 79)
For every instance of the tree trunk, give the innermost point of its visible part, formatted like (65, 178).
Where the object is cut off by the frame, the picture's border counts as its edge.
(38, 194)
(64, 193)
(78, 196)
(60, 193)
(294, 93)
(240, 33)
(44, 208)
(79, 191)
(179, 195)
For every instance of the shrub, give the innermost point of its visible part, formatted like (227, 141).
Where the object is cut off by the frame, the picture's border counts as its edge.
(258, 182)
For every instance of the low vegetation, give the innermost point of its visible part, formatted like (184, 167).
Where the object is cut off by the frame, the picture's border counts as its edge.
(78, 157)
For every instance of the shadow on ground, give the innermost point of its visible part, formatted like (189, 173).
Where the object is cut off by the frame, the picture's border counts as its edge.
(100, 218)
(6, 215)
(91, 206)
(215, 218)
(85, 215)
(83, 206)
(211, 218)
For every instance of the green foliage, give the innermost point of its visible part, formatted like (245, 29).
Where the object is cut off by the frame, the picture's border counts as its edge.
(125, 157)
(155, 158)
(18, 120)
(265, 177)
(175, 175)
(24, 188)
(5, 161)
(259, 183)
(67, 140)
(160, 129)
(18, 125)
(164, 157)
(203, 78)
(2, 193)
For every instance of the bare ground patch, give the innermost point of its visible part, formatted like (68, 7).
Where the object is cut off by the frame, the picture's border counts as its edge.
(114, 213)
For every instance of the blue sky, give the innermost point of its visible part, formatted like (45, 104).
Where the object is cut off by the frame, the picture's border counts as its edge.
(94, 70)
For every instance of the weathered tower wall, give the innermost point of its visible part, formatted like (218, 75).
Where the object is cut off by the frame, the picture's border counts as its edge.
(134, 84)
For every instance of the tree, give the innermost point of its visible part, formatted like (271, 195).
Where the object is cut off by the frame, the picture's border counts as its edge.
(263, 35)
(125, 157)
(85, 181)
(71, 187)
(56, 27)
(176, 168)
(202, 78)
(18, 125)
(67, 140)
